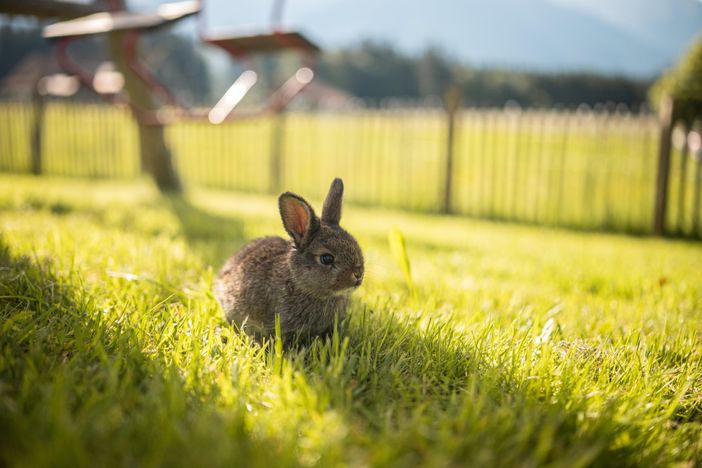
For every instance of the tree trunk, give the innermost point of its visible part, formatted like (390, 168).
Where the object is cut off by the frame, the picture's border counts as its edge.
(156, 158)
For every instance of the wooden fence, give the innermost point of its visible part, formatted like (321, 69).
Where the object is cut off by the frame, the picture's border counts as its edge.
(585, 168)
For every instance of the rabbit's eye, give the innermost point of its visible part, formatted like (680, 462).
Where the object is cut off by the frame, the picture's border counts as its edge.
(326, 259)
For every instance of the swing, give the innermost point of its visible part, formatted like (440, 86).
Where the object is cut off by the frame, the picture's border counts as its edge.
(274, 40)
(239, 47)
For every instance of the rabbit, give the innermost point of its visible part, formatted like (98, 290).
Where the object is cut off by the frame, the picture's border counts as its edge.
(307, 280)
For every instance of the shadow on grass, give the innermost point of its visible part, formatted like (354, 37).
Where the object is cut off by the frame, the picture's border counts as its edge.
(214, 238)
(432, 397)
(78, 386)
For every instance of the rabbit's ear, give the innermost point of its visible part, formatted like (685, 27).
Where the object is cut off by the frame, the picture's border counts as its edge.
(298, 217)
(331, 213)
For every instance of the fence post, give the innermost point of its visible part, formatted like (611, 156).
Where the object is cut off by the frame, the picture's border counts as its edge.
(452, 102)
(661, 201)
(695, 144)
(38, 104)
(276, 155)
(683, 146)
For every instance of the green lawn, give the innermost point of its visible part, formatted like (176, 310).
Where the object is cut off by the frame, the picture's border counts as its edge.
(522, 346)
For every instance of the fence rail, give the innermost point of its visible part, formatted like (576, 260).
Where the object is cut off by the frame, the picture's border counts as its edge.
(585, 168)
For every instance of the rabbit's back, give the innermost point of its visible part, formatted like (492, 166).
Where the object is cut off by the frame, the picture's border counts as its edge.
(250, 282)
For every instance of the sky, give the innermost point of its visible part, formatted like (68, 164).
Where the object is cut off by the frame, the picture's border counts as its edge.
(631, 37)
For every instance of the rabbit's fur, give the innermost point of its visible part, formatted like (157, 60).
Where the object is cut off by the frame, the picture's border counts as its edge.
(272, 275)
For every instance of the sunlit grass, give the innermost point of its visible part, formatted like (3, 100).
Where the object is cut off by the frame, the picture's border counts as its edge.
(522, 346)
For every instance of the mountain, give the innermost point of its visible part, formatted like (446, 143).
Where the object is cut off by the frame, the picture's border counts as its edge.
(560, 35)
(633, 37)
(670, 24)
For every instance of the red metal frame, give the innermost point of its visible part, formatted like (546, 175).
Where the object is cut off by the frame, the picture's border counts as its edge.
(131, 42)
(274, 104)
(67, 63)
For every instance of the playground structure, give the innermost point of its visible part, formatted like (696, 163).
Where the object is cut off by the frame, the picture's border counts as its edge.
(239, 47)
(150, 101)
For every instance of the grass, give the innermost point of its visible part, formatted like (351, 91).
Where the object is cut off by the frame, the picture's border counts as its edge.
(520, 347)
(587, 170)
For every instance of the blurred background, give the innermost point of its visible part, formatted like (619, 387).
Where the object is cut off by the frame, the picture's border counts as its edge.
(574, 113)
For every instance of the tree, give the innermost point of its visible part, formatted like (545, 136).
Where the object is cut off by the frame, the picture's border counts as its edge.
(682, 84)
(376, 70)
(678, 95)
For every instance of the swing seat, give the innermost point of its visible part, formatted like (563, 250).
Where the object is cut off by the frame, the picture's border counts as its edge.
(105, 22)
(272, 42)
(276, 41)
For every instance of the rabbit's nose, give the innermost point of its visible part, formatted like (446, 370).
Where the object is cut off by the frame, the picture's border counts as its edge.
(357, 276)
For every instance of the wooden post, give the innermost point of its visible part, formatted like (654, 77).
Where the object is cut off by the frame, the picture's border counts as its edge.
(607, 155)
(661, 200)
(683, 179)
(516, 163)
(38, 104)
(155, 155)
(696, 147)
(696, 200)
(566, 118)
(452, 102)
(543, 122)
(276, 155)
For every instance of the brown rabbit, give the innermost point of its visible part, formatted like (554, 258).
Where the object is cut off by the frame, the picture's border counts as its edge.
(307, 280)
